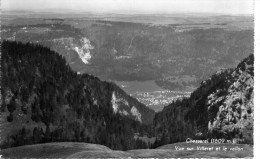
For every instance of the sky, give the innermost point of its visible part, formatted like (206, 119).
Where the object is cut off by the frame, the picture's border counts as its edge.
(134, 6)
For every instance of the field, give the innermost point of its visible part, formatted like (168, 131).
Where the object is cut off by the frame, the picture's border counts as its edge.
(86, 150)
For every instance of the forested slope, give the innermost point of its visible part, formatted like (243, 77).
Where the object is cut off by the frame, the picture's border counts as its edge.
(43, 100)
(222, 107)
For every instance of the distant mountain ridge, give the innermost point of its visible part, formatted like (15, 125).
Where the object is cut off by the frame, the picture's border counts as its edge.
(222, 107)
(43, 100)
(178, 55)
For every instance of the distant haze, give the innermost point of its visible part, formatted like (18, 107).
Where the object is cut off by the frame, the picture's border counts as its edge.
(134, 6)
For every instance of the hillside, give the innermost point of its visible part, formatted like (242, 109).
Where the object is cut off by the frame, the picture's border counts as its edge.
(43, 100)
(222, 107)
(86, 150)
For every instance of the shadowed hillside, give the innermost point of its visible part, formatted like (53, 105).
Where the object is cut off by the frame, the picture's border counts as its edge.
(43, 100)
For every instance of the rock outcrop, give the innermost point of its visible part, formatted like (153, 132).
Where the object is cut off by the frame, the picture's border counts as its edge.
(222, 107)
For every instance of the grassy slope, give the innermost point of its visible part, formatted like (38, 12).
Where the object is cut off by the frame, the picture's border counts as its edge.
(85, 150)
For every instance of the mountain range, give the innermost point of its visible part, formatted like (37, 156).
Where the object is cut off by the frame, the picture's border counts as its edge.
(177, 53)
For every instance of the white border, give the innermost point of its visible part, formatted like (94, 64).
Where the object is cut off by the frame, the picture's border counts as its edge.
(256, 84)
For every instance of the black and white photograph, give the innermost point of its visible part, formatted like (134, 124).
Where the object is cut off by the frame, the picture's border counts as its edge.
(128, 79)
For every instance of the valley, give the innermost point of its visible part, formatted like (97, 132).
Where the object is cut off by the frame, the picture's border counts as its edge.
(150, 94)
(177, 52)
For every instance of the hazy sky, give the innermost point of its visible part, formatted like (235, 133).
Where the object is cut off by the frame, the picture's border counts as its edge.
(139, 6)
